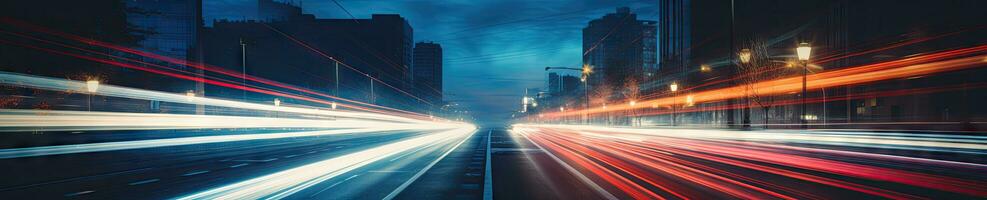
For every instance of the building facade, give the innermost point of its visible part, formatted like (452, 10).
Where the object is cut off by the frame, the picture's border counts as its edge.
(427, 71)
(375, 56)
(619, 47)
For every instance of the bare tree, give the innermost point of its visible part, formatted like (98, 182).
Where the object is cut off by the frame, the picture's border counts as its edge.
(759, 67)
(632, 93)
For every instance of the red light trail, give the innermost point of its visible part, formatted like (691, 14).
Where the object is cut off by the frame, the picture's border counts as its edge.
(683, 165)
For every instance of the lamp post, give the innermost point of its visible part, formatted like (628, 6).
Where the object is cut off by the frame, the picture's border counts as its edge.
(190, 96)
(632, 103)
(803, 51)
(745, 58)
(91, 86)
(243, 69)
(673, 87)
(562, 109)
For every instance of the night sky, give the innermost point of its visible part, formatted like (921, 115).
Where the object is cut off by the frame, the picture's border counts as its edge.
(493, 49)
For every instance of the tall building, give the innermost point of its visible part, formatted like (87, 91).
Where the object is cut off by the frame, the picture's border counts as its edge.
(427, 71)
(172, 30)
(618, 47)
(375, 55)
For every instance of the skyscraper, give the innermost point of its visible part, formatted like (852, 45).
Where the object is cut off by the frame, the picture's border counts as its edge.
(427, 71)
(618, 47)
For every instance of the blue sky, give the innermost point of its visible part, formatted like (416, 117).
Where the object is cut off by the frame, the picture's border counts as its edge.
(493, 49)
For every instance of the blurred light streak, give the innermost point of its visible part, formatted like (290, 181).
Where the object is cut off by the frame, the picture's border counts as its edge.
(285, 183)
(673, 152)
(22, 80)
(153, 143)
(903, 68)
(54, 120)
(863, 95)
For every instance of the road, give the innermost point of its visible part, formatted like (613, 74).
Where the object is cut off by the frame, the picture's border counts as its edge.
(523, 162)
(177, 171)
(720, 164)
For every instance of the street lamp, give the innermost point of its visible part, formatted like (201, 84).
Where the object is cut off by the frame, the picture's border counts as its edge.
(91, 86)
(633, 112)
(803, 51)
(705, 68)
(333, 105)
(673, 87)
(189, 95)
(745, 55)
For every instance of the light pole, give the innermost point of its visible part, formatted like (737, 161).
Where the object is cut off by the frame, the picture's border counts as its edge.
(562, 109)
(632, 103)
(673, 87)
(277, 103)
(745, 58)
(91, 86)
(373, 97)
(336, 71)
(803, 51)
(243, 69)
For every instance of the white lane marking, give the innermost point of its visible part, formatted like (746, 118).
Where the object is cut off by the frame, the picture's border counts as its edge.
(311, 152)
(195, 173)
(422, 172)
(333, 185)
(572, 170)
(386, 171)
(144, 181)
(266, 160)
(239, 165)
(79, 193)
(290, 156)
(488, 176)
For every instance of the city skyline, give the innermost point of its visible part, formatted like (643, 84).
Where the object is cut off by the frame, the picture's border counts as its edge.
(481, 47)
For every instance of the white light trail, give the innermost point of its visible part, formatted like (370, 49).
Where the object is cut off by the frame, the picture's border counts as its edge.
(48, 120)
(285, 183)
(152, 143)
(55, 84)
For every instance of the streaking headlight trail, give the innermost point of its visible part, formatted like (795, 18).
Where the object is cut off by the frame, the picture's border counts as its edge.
(285, 183)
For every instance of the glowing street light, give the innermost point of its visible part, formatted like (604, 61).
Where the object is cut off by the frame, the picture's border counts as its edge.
(561, 109)
(673, 87)
(705, 68)
(333, 106)
(91, 86)
(745, 55)
(189, 95)
(632, 103)
(803, 51)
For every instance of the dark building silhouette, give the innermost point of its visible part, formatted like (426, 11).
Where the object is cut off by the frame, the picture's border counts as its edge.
(271, 10)
(172, 30)
(620, 48)
(295, 51)
(427, 71)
